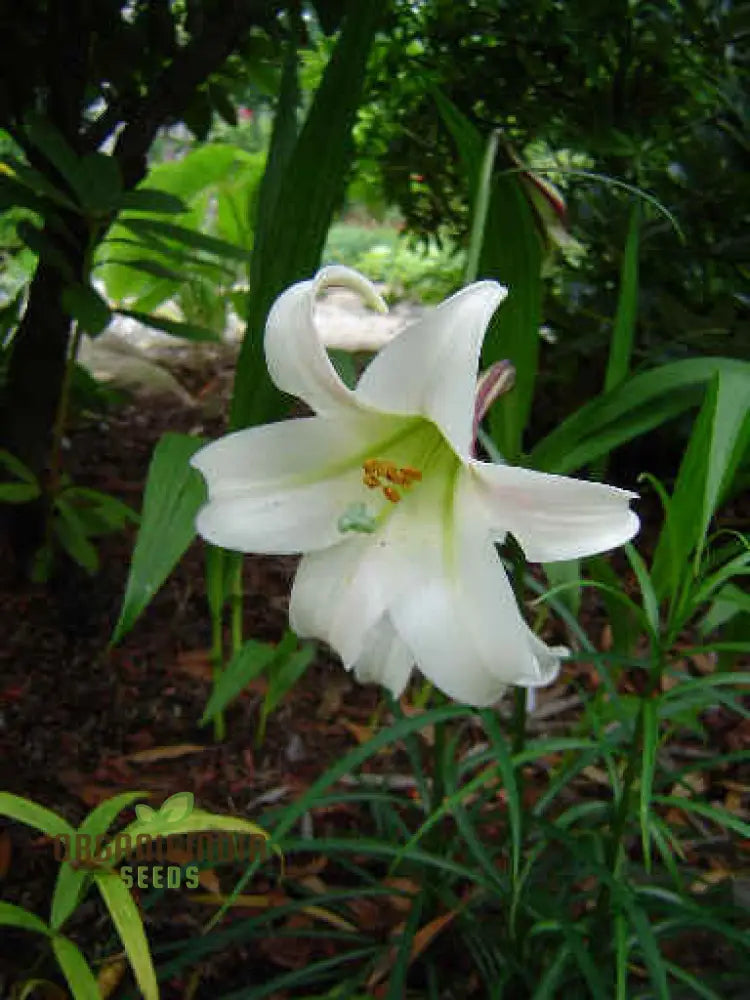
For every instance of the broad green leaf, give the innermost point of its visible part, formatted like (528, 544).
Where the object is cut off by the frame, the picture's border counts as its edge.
(15, 916)
(290, 238)
(35, 181)
(148, 199)
(183, 236)
(151, 267)
(55, 148)
(174, 493)
(177, 328)
(41, 244)
(480, 209)
(76, 969)
(87, 307)
(623, 333)
(247, 663)
(28, 812)
(512, 254)
(99, 184)
(127, 921)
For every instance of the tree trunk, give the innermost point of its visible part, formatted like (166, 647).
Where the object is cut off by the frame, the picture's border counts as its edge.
(32, 396)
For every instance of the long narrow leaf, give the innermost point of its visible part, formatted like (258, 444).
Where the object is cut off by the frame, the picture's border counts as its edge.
(174, 493)
(290, 240)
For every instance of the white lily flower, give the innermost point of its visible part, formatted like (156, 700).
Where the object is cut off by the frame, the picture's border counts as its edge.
(397, 521)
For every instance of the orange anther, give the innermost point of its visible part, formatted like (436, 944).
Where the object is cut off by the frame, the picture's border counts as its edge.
(390, 494)
(370, 481)
(371, 465)
(411, 473)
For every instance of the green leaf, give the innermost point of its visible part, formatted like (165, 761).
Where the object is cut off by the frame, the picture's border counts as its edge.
(147, 199)
(710, 458)
(480, 209)
(721, 817)
(71, 534)
(247, 663)
(685, 378)
(15, 916)
(291, 233)
(127, 921)
(99, 183)
(645, 582)
(70, 880)
(648, 766)
(146, 266)
(649, 948)
(623, 334)
(18, 492)
(17, 467)
(512, 254)
(76, 969)
(54, 147)
(622, 620)
(174, 493)
(184, 237)
(513, 796)
(177, 328)
(87, 307)
(283, 676)
(43, 246)
(28, 812)
(566, 574)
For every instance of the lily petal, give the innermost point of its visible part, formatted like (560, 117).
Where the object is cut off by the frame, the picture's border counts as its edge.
(340, 594)
(460, 618)
(281, 488)
(386, 659)
(298, 362)
(430, 368)
(555, 517)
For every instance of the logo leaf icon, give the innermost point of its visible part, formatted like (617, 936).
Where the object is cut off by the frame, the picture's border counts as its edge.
(177, 807)
(144, 813)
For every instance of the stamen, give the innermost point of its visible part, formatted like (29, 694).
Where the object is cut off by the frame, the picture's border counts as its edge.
(380, 473)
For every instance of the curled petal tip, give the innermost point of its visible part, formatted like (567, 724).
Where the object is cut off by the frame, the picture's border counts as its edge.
(346, 277)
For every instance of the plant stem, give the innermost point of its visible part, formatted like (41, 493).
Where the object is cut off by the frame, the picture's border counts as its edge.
(235, 602)
(217, 666)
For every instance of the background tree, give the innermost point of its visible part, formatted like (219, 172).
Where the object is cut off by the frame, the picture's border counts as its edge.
(82, 77)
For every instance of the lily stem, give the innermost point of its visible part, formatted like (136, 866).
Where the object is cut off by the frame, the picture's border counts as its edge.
(235, 603)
